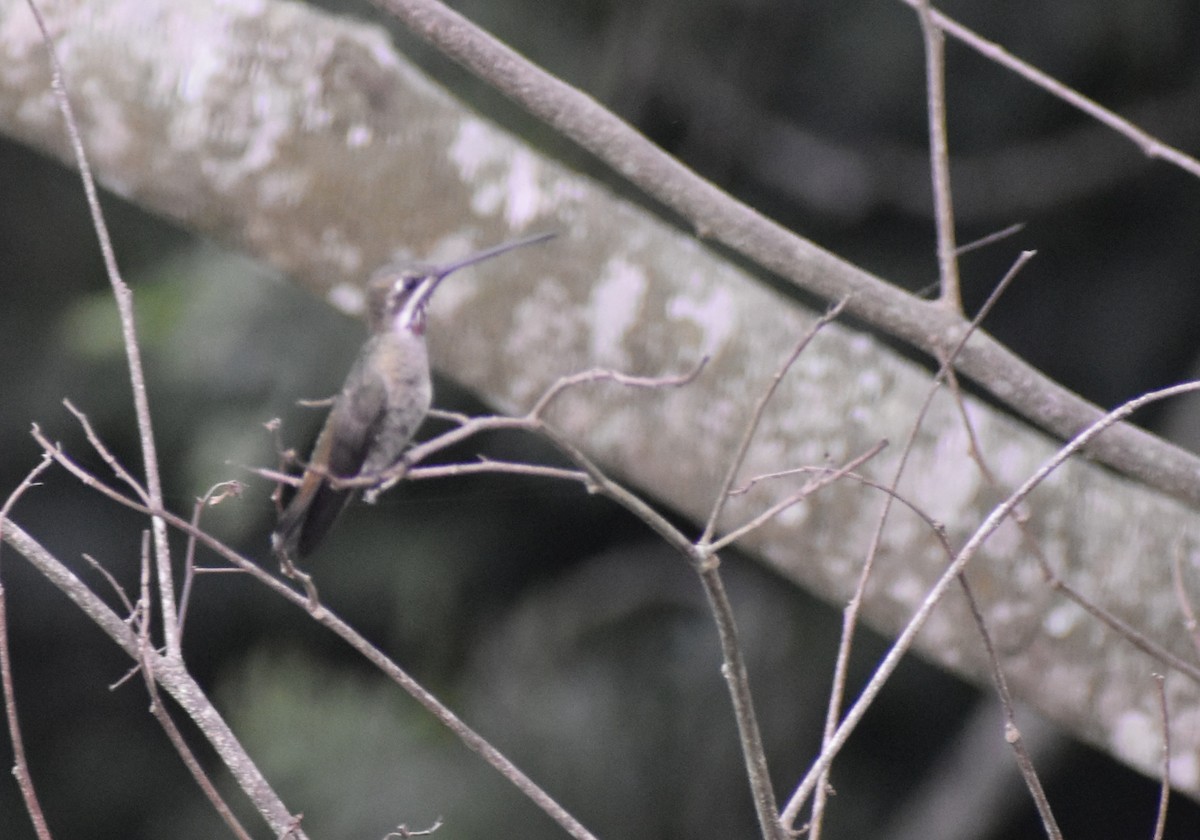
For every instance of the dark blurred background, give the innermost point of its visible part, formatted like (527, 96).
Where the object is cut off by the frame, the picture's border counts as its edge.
(555, 624)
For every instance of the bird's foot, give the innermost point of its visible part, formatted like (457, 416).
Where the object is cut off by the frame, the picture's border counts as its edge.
(289, 569)
(393, 476)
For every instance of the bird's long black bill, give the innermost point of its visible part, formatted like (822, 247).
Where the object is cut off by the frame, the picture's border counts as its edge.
(494, 251)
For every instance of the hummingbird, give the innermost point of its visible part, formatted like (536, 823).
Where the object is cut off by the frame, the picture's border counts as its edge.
(384, 399)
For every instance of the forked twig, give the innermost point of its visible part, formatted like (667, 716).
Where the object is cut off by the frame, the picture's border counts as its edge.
(1151, 146)
(175, 669)
(828, 476)
(854, 606)
(756, 415)
(169, 671)
(989, 525)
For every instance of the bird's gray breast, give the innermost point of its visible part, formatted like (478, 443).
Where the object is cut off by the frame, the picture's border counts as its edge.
(402, 365)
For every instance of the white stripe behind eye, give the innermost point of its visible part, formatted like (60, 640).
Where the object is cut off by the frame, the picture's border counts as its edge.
(412, 306)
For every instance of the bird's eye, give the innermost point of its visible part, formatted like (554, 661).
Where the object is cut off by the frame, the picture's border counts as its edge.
(402, 287)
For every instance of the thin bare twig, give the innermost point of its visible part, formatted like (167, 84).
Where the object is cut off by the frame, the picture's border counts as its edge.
(112, 583)
(990, 239)
(707, 564)
(939, 158)
(1123, 628)
(137, 379)
(20, 764)
(1012, 732)
(146, 662)
(403, 832)
(738, 681)
(455, 417)
(215, 495)
(29, 481)
(1164, 792)
(378, 483)
(435, 444)
(827, 477)
(103, 451)
(1190, 623)
(488, 465)
(605, 375)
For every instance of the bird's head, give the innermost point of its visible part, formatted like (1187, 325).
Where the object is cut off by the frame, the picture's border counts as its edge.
(398, 295)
